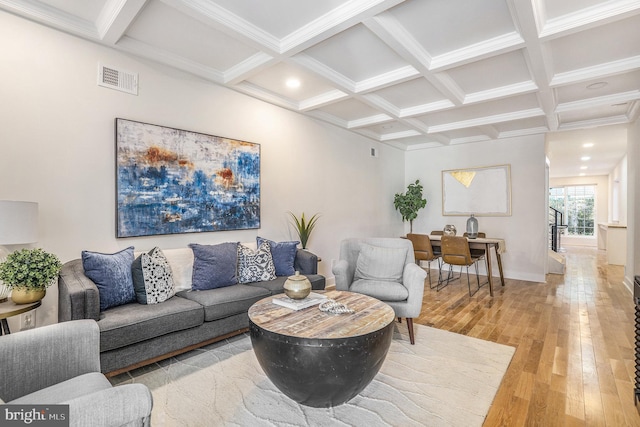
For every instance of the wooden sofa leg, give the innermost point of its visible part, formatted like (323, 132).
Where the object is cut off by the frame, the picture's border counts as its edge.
(410, 327)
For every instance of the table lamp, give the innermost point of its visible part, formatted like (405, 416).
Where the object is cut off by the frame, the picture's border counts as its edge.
(18, 226)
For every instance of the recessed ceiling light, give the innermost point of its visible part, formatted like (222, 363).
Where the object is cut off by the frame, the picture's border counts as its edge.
(583, 174)
(293, 83)
(587, 144)
(597, 85)
(584, 167)
(585, 158)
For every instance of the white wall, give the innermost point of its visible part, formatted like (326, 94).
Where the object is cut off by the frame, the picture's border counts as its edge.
(57, 148)
(525, 231)
(602, 205)
(632, 267)
(617, 191)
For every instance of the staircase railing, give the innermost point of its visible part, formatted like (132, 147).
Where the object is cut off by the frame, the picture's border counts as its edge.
(556, 227)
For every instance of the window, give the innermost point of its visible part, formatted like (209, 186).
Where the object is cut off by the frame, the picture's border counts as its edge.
(577, 203)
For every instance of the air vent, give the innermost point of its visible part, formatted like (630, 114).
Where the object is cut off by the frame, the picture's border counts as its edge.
(373, 152)
(117, 79)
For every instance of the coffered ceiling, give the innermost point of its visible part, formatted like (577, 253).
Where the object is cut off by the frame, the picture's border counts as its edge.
(413, 74)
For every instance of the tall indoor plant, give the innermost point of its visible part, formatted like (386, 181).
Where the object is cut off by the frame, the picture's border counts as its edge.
(29, 272)
(410, 203)
(304, 227)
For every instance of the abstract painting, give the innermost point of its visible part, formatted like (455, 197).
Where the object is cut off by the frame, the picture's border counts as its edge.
(483, 191)
(175, 181)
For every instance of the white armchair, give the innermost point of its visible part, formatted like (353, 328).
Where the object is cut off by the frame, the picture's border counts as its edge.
(60, 364)
(383, 268)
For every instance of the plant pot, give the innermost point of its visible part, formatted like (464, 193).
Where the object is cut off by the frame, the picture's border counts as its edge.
(27, 296)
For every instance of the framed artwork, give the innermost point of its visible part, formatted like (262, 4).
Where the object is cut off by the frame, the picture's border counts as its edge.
(484, 191)
(172, 181)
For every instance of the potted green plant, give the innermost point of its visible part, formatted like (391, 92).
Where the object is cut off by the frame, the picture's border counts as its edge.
(29, 272)
(410, 203)
(304, 227)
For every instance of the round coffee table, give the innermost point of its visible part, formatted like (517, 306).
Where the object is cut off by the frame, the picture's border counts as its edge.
(320, 359)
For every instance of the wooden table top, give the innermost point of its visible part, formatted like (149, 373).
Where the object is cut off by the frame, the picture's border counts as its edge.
(370, 315)
(10, 308)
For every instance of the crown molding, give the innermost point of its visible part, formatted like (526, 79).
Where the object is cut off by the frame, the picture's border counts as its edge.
(501, 92)
(368, 121)
(606, 100)
(385, 79)
(322, 100)
(487, 120)
(484, 49)
(596, 71)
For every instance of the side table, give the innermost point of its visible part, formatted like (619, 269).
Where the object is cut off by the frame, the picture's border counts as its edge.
(10, 308)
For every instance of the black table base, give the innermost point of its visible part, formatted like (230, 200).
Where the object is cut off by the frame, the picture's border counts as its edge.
(321, 372)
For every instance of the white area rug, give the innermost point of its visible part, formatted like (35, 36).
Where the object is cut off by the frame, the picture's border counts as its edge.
(445, 379)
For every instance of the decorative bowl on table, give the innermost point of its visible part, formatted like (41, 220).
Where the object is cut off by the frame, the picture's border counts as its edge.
(449, 230)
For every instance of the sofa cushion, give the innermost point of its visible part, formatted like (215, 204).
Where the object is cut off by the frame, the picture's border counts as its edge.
(380, 263)
(214, 266)
(382, 290)
(152, 277)
(255, 265)
(283, 254)
(132, 323)
(227, 301)
(112, 275)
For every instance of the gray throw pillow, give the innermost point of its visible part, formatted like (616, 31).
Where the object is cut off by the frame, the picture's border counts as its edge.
(378, 263)
(152, 277)
(255, 266)
(214, 266)
(112, 275)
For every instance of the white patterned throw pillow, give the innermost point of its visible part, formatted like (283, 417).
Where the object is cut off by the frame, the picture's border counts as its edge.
(152, 278)
(255, 266)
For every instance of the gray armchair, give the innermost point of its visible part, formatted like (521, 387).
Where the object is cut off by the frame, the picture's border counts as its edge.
(383, 268)
(60, 364)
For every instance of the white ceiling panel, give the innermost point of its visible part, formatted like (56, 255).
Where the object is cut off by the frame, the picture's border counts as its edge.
(439, 31)
(413, 74)
(491, 73)
(163, 27)
(357, 54)
(269, 15)
(612, 42)
(274, 79)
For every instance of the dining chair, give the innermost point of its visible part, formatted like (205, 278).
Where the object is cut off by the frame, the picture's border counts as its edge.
(455, 251)
(423, 251)
(479, 253)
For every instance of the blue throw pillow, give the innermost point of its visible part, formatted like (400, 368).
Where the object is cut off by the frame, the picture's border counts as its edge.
(283, 254)
(214, 266)
(112, 275)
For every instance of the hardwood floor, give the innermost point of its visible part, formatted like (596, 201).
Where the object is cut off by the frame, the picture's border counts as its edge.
(574, 339)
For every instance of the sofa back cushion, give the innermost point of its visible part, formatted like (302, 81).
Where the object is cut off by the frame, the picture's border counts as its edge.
(214, 266)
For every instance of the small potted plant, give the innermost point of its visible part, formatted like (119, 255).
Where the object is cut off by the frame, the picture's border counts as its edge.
(410, 203)
(304, 227)
(29, 272)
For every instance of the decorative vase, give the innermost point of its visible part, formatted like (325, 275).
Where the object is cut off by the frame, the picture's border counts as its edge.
(27, 296)
(472, 227)
(450, 230)
(297, 286)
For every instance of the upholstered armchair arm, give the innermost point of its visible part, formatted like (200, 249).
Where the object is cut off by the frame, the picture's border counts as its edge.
(123, 405)
(41, 357)
(413, 279)
(342, 274)
(306, 262)
(78, 296)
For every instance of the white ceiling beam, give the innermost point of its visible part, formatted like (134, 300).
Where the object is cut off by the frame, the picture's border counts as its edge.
(115, 18)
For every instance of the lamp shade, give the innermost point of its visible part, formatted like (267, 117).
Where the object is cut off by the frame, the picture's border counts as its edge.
(18, 222)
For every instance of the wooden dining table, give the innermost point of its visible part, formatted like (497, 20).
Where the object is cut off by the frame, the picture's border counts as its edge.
(485, 243)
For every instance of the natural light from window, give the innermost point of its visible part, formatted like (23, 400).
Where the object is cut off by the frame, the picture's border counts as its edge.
(578, 205)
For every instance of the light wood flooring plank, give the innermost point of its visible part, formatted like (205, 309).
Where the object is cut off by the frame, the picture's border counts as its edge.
(574, 338)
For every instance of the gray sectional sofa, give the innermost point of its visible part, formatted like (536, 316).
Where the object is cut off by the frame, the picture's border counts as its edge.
(133, 335)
